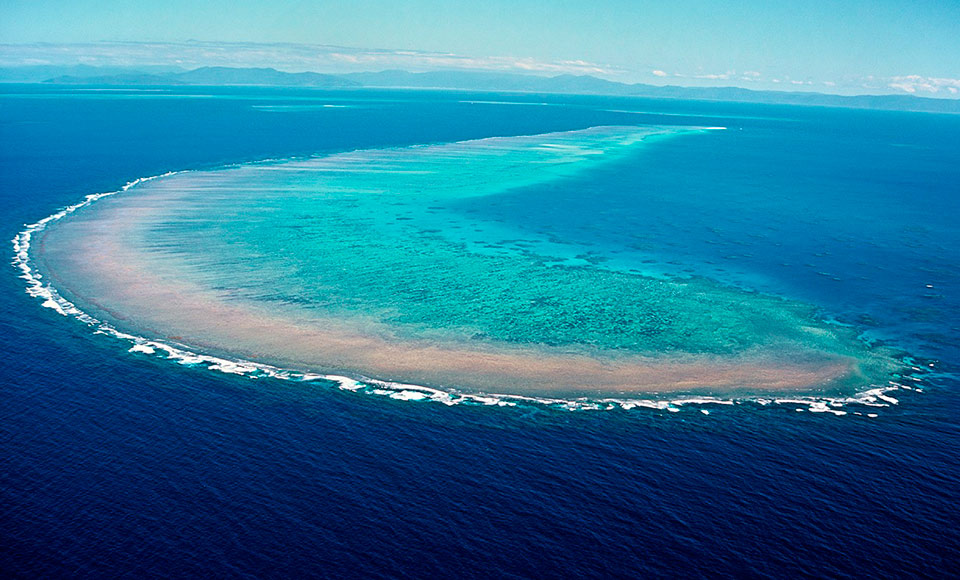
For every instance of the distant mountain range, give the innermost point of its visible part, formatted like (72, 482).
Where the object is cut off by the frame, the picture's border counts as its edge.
(589, 85)
(213, 76)
(483, 81)
(462, 80)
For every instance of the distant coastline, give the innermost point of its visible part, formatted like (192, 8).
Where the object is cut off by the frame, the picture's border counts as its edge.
(456, 80)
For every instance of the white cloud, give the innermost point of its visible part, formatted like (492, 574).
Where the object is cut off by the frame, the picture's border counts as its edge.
(707, 76)
(916, 84)
(285, 56)
(717, 76)
(870, 84)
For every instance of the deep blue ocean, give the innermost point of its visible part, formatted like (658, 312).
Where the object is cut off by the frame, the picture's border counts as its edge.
(116, 464)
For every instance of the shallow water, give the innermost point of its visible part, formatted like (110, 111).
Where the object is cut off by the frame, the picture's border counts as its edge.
(360, 264)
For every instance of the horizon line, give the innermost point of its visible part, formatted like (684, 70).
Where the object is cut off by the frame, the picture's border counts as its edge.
(336, 59)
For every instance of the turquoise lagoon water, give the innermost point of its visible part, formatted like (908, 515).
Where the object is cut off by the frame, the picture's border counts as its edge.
(375, 263)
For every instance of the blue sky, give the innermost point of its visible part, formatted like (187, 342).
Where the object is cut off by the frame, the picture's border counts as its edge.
(830, 46)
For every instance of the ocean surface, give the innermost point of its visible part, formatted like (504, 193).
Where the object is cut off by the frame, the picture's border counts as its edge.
(131, 451)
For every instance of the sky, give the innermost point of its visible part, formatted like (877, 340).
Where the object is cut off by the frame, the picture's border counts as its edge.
(848, 46)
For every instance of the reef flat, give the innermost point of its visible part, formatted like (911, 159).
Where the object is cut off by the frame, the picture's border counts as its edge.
(364, 264)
